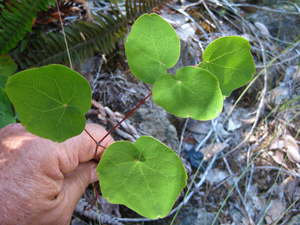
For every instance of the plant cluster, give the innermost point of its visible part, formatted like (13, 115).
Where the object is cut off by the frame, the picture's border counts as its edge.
(147, 176)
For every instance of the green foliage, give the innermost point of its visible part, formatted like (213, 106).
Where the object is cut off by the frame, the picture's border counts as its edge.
(118, 1)
(7, 115)
(7, 68)
(230, 60)
(16, 21)
(51, 100)
(193, 92)
(146, 176)
(151, 47)
(83, 38)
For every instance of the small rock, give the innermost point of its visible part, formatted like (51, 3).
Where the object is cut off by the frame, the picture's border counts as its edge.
(195, 159)
(194, 216)
(154, 122)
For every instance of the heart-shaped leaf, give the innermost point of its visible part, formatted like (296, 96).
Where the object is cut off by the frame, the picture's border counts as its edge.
(146, 176)
(230, 60)
(51, 100)
(151, 47)
(194, 92)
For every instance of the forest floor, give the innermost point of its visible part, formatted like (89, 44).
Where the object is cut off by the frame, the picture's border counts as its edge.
(251, 150)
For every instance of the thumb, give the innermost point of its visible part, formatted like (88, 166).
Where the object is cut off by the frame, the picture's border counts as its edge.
(76, 182)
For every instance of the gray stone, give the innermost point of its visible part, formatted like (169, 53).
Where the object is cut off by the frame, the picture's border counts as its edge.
(194, 216)
(286, 25)
(154, 122)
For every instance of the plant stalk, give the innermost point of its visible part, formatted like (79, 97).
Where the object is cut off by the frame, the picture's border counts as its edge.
(135, 108)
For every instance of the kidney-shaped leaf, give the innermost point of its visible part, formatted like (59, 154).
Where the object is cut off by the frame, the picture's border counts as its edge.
(151, 47)
(51, 100)
(146, 176)
(194, 92)
(230, 60)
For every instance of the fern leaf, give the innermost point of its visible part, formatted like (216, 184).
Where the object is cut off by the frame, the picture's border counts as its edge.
(16, 21)
(84, 38)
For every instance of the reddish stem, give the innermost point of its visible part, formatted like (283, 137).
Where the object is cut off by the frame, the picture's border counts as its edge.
(96, 195)
(90, 135)
(126, 117)
(98, 143)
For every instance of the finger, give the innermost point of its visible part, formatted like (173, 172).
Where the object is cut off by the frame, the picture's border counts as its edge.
(82, 148)
(75, 184)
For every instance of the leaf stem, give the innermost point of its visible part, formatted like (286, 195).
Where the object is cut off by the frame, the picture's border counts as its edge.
(97, 143)
(96, 195)
(90, 135)
(135, 108)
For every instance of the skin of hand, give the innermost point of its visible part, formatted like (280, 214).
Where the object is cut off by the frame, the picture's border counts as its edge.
(42, 181)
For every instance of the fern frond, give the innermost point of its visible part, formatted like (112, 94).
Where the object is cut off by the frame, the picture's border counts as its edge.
(16, 20)
(84, 38)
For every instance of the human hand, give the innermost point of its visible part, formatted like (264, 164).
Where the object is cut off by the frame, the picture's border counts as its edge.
(42, 181)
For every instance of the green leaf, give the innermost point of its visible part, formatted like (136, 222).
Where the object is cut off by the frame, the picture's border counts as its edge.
(146, 176)
(3, 80)
(193, 92)
(17, 21)
(7, 115)
(118, 1)
(51, 100)
(230, 60)
(7, 68)
(151, 47)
